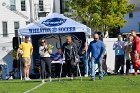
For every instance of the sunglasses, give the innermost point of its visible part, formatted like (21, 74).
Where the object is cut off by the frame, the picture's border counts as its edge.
(43, 42)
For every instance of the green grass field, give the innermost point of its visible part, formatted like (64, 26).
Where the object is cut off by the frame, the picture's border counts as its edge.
(110, 84)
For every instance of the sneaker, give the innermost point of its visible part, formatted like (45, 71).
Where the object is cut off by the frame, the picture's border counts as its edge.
(7, 77)
(11, 77)
(25, 78)
(67, 76)
(86, 75)
(43, 81)
(28, 78)
(92, 79)
(71, 78)
(50, 79)
(101, 78)
(135, 73)
(105, 74)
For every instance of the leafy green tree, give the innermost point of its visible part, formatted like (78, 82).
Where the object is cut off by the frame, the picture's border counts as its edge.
(100, 15)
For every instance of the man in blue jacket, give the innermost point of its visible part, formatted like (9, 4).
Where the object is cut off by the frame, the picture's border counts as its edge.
(96, 48)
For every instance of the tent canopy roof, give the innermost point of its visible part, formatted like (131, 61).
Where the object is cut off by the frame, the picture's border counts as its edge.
(54, 23)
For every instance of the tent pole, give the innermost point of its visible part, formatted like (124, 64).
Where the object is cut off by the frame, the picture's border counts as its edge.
(20, 61)
(60, 41)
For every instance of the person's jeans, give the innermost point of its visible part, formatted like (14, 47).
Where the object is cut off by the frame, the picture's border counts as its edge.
(87, 65)
(99, 62)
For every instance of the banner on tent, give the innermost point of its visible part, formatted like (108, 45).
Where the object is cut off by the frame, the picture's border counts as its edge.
(52, 30)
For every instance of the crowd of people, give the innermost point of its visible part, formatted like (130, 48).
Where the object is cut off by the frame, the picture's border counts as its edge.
(127, 52)
(94, 52)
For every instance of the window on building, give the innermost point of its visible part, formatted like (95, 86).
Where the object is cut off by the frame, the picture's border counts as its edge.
(41, 8)
(13, 5)
(23, 5)
(16, 27)
(27, 22)
(131, 15)
(5, 32)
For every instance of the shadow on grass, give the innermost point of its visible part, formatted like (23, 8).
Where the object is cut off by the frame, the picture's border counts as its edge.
(40, 80)
(64, 79)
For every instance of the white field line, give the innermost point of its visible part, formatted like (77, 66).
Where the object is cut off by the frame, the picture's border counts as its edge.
(34, 88)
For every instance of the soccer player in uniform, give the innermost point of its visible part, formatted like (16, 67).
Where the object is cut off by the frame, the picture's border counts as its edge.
(135, 54)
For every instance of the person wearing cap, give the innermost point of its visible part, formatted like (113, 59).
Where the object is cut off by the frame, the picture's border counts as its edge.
(69, 50)
(26, 50)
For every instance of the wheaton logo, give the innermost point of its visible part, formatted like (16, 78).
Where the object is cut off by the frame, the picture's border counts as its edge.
(54, 22)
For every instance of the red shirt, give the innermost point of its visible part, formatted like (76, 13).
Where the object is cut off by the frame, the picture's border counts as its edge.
(136, 44)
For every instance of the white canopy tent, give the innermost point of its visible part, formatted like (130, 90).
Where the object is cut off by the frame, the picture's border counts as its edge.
(54, 23)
